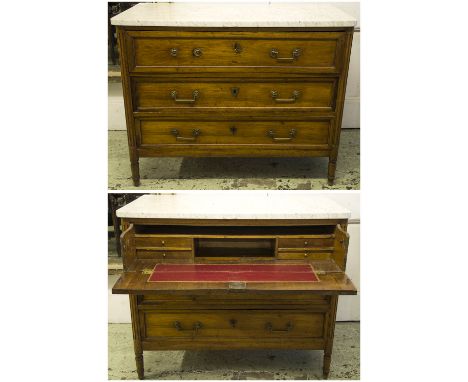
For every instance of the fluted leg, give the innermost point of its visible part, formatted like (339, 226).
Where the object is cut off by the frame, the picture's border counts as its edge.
(139, 365)
(326, 364)
(136, 336)
(136, 172)
(331, 171)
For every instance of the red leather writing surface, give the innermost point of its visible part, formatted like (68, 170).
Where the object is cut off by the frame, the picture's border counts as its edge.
(233, 272)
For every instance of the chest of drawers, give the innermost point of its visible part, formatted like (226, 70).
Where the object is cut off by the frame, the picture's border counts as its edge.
(251, 80)
(223, 271)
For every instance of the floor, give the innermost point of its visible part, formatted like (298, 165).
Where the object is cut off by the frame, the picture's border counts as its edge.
(235, 173)
(253, 364)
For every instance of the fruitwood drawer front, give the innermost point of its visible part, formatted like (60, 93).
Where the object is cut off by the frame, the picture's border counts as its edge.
(316, 94)
(304, 243)
(163, 242)
(163, 255)
(154, 132)
(238, 324)
(317, 51)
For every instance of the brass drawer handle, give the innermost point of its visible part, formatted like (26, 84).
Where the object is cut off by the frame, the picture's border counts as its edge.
(197, 52)
(295, 95)
(274, 53)
(195, 95)
(269, 327)
(174, 52)
(196, 326)
(292, 135)
(195, 133)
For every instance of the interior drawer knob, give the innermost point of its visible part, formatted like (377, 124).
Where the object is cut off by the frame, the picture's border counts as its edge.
(306, 242)
(306, 255)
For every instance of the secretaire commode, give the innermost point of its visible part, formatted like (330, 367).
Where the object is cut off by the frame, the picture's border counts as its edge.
(220, 271)
(248, 80)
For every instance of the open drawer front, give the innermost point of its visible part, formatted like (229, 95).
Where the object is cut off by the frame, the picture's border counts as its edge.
(329, 279)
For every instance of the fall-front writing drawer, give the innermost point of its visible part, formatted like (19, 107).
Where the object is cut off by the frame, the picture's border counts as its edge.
(305, 93)
(155, 132)
(150, 51)
(238, 324)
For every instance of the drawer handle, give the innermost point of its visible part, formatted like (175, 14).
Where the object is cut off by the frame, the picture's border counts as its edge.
(195, 95)
(174, 52)
(294, 96)
(197, 52)
(274, 53)
(292, 135)
(195, 133)
(269, 327)
(196, 326)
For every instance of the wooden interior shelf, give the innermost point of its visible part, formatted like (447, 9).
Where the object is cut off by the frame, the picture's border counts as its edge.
(237, 247)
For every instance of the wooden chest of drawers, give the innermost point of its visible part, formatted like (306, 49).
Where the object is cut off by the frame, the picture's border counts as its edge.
(198, 85)
(184, 314)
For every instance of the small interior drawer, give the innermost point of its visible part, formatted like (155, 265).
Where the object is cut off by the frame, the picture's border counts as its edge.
(305, 242)
(304, 255)
(163, 255)
(162, 242)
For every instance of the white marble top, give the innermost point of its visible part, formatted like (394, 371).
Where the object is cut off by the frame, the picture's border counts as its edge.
(234, 15)
(234, 205)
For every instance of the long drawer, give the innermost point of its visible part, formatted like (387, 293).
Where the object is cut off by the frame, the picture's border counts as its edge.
(155, 132)
(316, 94)
(232, 324)
(157, 50)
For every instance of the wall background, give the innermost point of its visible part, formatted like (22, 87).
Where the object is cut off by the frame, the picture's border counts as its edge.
(351, 114)
(348, 306)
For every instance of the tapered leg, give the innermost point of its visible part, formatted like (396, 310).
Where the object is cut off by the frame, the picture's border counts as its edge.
(330, 335)
(331, 171)
(139, 365)
(136, 172)
(136, 336)
(326, 364)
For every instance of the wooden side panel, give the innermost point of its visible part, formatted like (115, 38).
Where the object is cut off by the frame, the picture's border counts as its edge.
(341, 247)
(128, 246)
